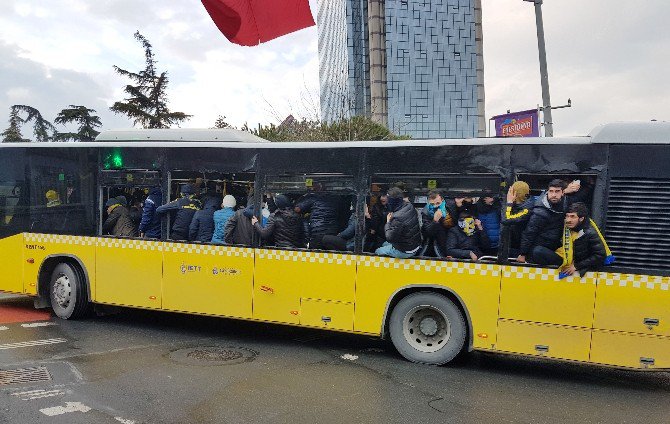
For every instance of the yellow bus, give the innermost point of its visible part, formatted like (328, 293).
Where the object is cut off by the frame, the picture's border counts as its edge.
(52, 198)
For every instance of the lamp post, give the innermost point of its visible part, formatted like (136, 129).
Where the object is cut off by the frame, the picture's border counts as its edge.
(544, 75)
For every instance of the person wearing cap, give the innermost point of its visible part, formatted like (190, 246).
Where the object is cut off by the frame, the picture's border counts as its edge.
(284, 227)
(183, 209)
(150, 223)
(516, 213)
(221, 217)
(52, 198)
(118, 222)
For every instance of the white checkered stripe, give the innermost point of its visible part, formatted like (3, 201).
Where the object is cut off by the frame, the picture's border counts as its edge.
(58, 239)
(544, 274)
(469, 268)
(209, 249)
(649, 282)
(135, 244)
(306, 256)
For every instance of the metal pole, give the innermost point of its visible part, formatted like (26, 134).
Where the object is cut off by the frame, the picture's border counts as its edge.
(544, 75)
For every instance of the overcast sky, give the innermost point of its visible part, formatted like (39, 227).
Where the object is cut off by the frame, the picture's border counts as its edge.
(611, 57)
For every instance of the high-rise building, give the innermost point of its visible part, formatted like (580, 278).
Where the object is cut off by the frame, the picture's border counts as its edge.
(414, 65)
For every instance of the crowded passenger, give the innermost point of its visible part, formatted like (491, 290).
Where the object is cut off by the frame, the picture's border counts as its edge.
(238, 229)
(437, 218)
(135, 210)
(323, 218)
(284, 227)
(202, 224)
(488, 213)
(183, 209)
(150, 223)
(53, 199)
(378, 212)
(221, 217)
(345, 240)
(542, 235)
(516, 214)
(467, 240)
(118, 222)
(402, 229)
(583, 249)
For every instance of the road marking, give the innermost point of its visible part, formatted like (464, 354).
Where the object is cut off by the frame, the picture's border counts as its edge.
(38, 324)
(38, 394)
(31, 343)
(68, 408)
(3, 328)
(349, 357)
(121, 420)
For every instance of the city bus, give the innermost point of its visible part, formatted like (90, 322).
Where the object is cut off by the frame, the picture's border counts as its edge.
(433, 309)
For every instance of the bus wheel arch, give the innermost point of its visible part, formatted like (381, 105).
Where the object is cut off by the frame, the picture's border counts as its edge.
(74, 275)
(447, 300)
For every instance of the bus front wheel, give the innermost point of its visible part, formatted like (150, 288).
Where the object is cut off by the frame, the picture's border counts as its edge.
(427, 328)
(67, 292)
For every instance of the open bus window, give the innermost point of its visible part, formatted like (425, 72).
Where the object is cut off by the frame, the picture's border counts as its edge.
(462, 193)
(538, 183)
(317, 212)
(208, 220)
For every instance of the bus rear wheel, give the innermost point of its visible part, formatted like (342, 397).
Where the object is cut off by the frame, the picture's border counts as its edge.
(67, 292)
(427, 328)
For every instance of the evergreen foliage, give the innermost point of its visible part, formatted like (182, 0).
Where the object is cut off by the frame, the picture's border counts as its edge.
(147, 102)
(86, 122)
(43, 130)
(13, 133)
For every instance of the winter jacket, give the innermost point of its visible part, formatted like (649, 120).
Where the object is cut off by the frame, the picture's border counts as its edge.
(119, 224)
(202, 224)
(184, 208)
(323, 210)
(516, 216)
(489, 215)
(459, 244)
(284, 228)
(238, 229)
(447, 221)
(545, 226)
(150, 223)
(588, 251)
(221, 217)
(403, 230)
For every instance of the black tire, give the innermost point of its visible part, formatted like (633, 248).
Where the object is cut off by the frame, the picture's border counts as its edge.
(428, 328)
(67, 292)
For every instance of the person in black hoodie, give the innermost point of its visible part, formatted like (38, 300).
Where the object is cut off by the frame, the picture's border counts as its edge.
(284, 227)
(184, 208)
(468, 239)
(402, 229)
(202, 224)
(323, 219)
(543, 233)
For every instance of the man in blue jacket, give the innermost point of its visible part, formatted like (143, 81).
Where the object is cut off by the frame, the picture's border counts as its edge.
(150, 224)
(183, 208)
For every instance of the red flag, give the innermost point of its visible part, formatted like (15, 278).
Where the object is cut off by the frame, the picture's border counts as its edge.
(250, 22)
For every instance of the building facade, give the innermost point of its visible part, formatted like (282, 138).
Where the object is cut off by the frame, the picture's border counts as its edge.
(413, 65)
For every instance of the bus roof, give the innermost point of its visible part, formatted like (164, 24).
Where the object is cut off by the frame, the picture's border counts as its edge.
(181, 134)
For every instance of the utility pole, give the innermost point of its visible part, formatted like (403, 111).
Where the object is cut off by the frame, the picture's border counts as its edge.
(544, 75)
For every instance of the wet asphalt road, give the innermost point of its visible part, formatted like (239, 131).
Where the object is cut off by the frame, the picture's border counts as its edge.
(147, 367)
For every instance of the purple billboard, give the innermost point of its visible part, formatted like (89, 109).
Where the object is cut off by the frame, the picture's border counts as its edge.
(518, 124)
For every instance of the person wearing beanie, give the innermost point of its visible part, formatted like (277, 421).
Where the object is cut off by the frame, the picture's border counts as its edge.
(516, 213)
(202, 225)
(221, 217)
(183, 210)
(52, 198)
(118, 222)
(402, 229)
(284, 226)
(150, 223)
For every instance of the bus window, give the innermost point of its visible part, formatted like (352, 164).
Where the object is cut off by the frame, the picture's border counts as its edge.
(585, 183)
(14, 197)
(325, 204)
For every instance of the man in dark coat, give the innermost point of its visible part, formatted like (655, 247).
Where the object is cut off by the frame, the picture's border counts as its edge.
(183, 208)
(150, 224)
(323, 219)
(516, 213)
(437, 217)
(543, 233)
(588, 250)
(202, 224)
(239, 229)
(118, 222)
(468, 239)
(284, 227)
(402, 229)
(488, 213)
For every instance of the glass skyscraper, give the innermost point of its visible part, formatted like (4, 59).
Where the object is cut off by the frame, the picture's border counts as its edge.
(413, 65)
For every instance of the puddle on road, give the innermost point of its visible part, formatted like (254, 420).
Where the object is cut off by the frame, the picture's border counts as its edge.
(213, 355)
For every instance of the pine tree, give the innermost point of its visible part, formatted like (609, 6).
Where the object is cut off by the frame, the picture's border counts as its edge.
(86, 122)
(13, 133)
(42, 129)
(147, 104)
(221, 123)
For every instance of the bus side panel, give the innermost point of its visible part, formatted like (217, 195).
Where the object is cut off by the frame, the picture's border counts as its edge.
(11, 251)
(129, 272)
(477, 285)
(283, 278)
(40, 246)
(207, 279)
(633, 303)
(630, 350)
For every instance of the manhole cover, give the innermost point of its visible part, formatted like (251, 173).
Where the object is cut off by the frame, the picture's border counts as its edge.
(24, 375)
(213, 355)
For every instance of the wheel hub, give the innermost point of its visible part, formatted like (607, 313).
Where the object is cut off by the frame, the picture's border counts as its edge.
(62, 291)
(426, 328)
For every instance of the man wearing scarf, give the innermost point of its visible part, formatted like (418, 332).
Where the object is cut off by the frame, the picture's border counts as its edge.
(583, 248)
(402, 230)
(436, 219)
(467, 240)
